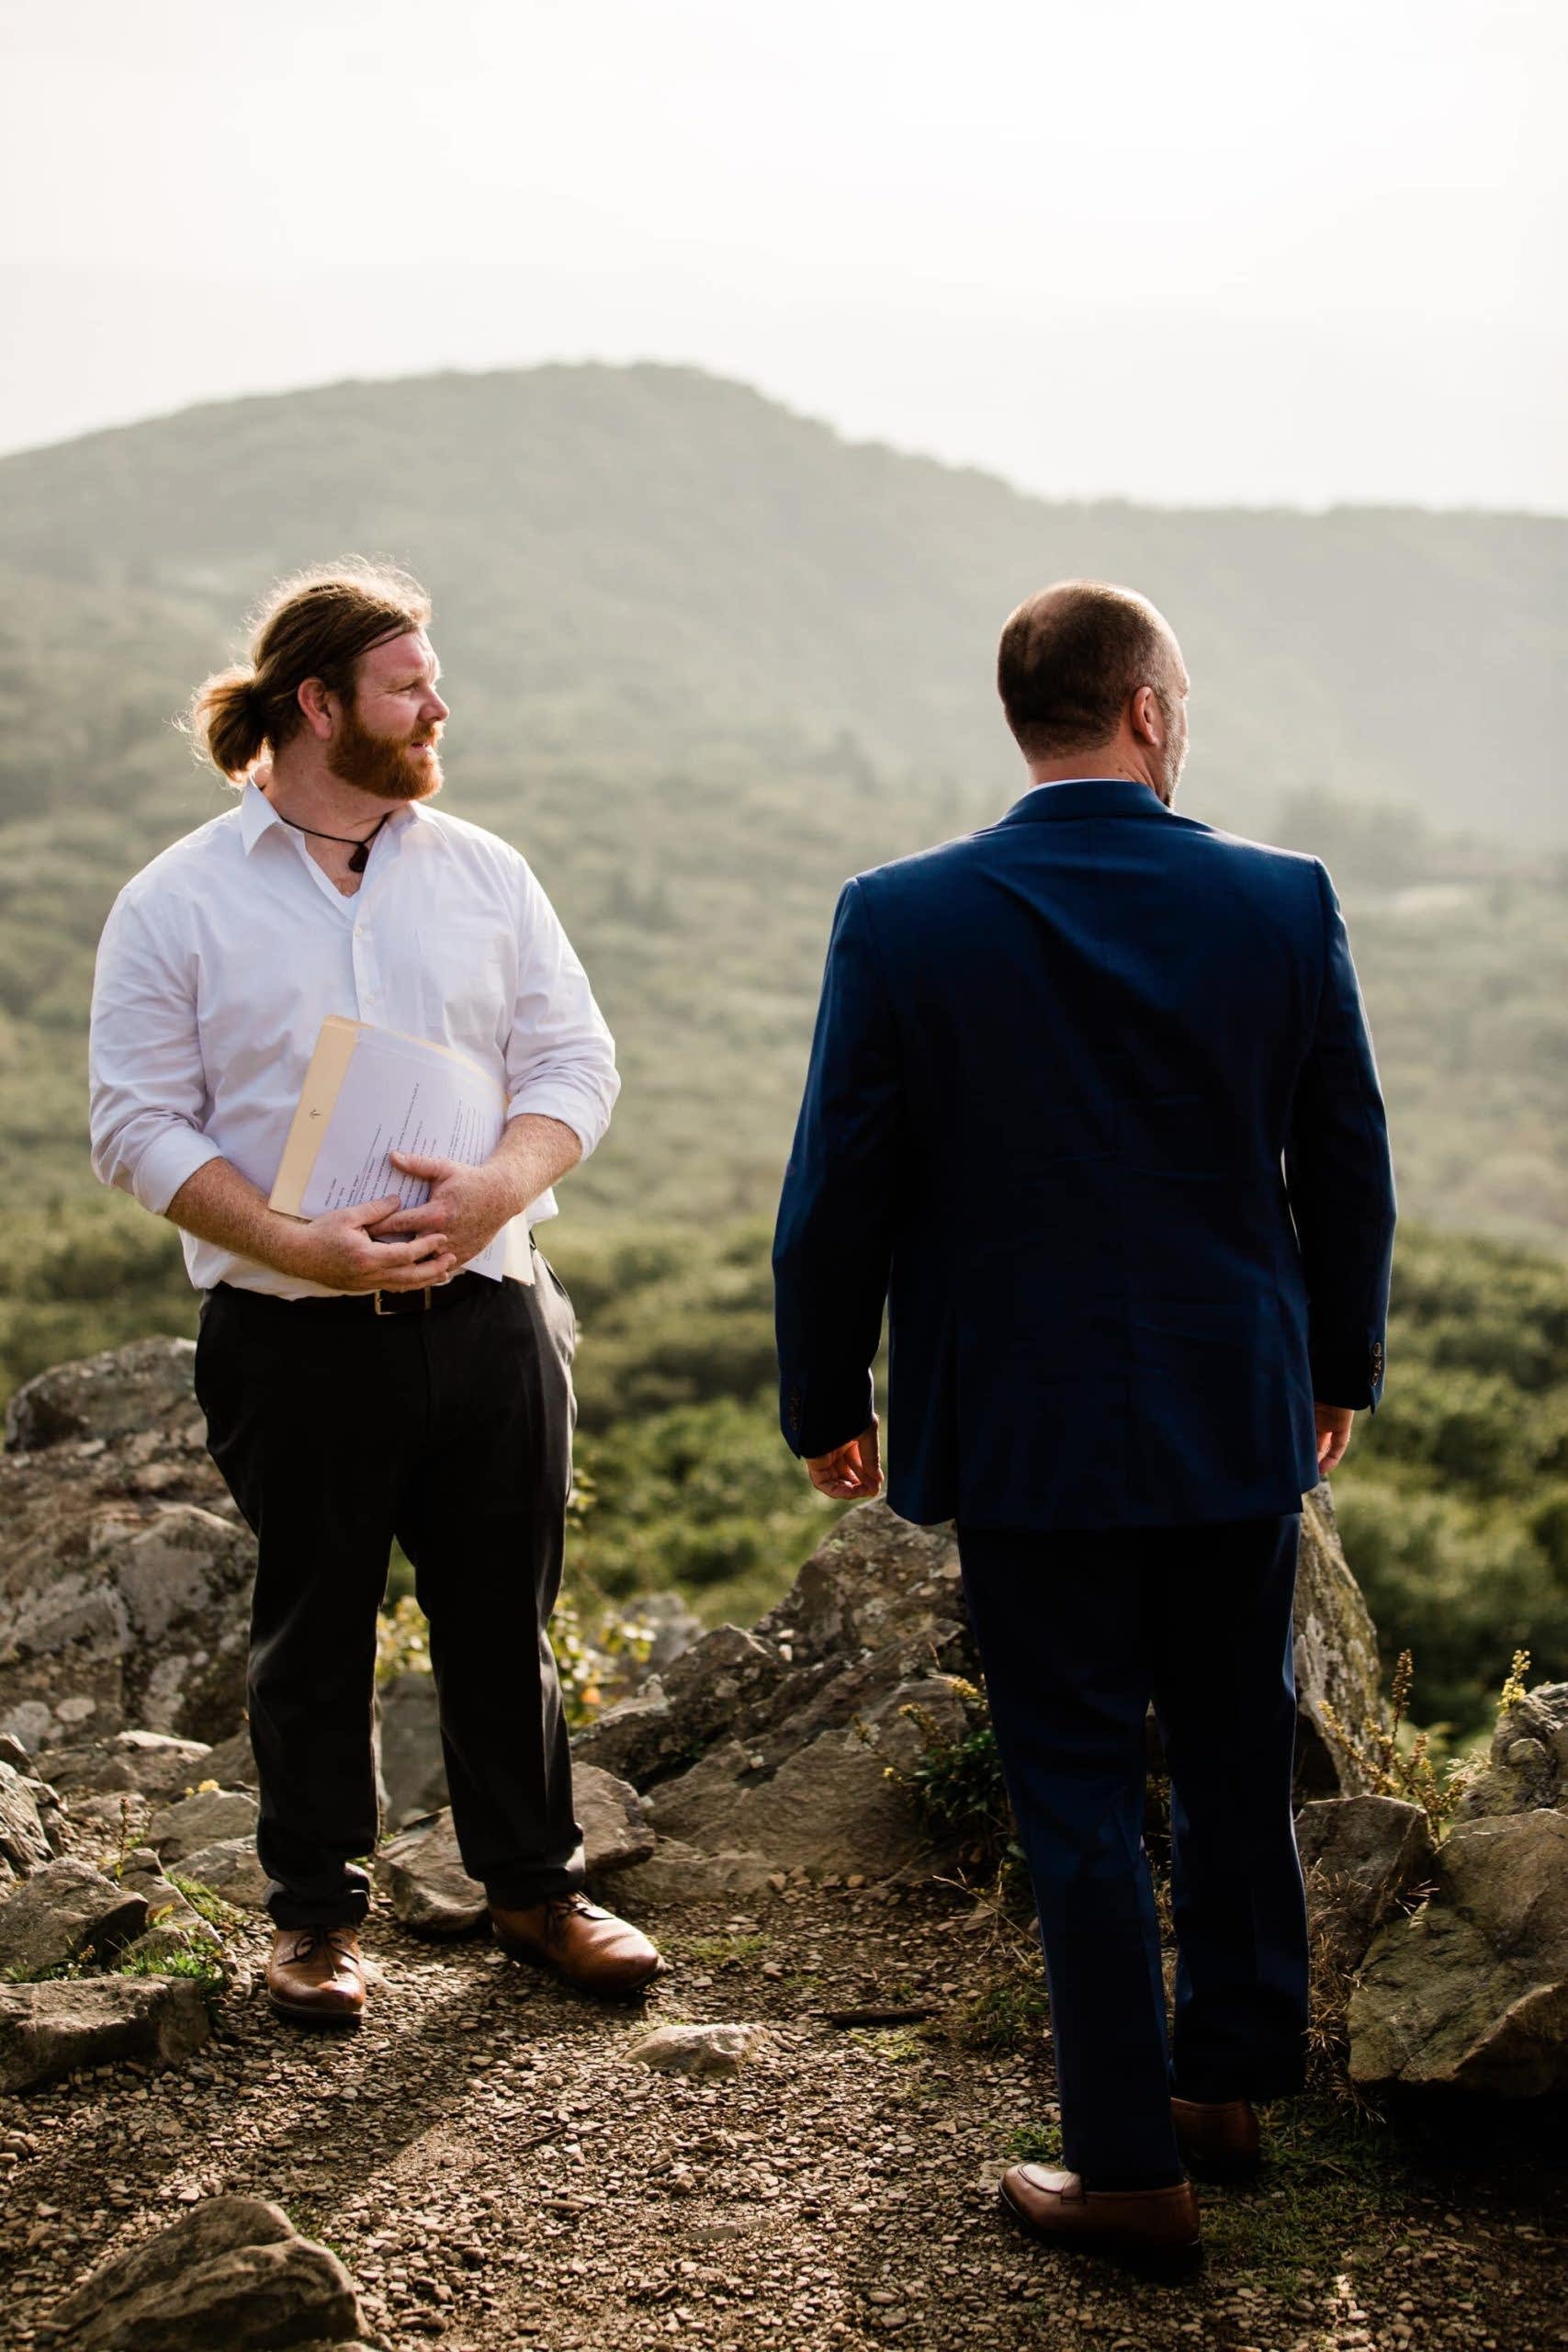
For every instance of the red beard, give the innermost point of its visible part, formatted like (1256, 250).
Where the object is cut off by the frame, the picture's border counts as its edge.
(387, 770)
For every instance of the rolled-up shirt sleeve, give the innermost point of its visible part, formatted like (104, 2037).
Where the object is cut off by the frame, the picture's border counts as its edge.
(561, 1057)
(148, 1087)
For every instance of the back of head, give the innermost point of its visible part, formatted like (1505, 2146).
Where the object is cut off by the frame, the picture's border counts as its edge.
(1070, 660)
(315, 625)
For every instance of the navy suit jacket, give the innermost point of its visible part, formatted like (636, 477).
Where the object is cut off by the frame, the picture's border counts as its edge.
(1093, 1108)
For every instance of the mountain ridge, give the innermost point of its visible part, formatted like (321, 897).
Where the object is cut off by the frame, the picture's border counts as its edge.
(652, 555)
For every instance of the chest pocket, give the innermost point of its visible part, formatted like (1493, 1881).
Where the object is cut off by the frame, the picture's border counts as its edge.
(466, 981)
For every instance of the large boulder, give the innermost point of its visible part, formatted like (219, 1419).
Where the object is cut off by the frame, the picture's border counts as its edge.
(63, 1910)
(788, 1742)
(413, 1764)
(1472, 1992)
(51, 2029)
(24, 1839)
(207, 1818)
(233, 2272)
(143, 1763)
(125, 1582)
(229, 1869)
(422, 1870)
(1526, 1764)
(1336, 1657)
(124, 1393)
(877, 1603)
(832, 1805)
(1360, 1855)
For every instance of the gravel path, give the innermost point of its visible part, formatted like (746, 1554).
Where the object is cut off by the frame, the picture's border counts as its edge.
(497, 2173)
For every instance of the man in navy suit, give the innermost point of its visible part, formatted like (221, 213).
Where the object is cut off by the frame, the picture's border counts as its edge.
(1093, 1108)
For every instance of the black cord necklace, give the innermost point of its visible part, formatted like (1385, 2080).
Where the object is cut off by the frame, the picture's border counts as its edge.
(361, 858)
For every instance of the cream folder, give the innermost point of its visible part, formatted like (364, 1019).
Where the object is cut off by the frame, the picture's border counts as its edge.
(369, 1093)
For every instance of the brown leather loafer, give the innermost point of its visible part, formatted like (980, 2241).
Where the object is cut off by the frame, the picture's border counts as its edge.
(1153, 2231)
(1218, 2139)
(316, 1975)
(581, 1944)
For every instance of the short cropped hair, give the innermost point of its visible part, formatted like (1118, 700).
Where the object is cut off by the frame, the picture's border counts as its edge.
(1070, 661)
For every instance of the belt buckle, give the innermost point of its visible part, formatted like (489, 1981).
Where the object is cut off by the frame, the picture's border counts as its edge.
(378, 1295)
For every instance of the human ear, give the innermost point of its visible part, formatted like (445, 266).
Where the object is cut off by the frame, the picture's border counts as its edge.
(1148, 720)
(315, 702)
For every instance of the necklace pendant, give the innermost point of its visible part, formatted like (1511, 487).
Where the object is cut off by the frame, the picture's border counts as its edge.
(360, 858)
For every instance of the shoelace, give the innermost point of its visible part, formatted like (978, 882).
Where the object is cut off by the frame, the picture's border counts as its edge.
(561, 1909)
(310, 1940)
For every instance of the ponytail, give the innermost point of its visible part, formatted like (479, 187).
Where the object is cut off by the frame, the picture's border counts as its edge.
(229, 722)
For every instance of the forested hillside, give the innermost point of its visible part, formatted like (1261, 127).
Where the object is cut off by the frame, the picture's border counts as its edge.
(649, 561)
(705, 658)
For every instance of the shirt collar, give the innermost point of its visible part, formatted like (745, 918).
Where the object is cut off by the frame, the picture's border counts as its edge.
(258, 816)
(1086, 796)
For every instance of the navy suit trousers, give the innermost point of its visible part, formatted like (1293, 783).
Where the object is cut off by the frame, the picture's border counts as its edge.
(1078, 1631)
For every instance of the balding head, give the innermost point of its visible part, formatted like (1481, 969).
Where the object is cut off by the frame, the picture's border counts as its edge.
(1075, 660)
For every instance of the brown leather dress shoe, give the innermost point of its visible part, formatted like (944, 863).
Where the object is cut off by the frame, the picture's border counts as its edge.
(316, 1975)
(1153, 2231)
(579, 1944)
(1218, 2139)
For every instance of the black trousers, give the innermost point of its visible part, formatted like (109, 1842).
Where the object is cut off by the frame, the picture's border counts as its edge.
(1078, 1631)
(451, 1431)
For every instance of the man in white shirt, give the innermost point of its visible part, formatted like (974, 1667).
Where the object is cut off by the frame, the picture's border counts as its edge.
(358, 1383)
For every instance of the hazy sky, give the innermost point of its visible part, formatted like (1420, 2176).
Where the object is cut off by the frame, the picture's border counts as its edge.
(1212, 252)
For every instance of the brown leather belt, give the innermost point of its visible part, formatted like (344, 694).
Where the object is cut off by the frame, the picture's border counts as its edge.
(364, 1305)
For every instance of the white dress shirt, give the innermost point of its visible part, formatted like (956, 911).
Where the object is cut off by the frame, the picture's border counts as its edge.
(221, 959)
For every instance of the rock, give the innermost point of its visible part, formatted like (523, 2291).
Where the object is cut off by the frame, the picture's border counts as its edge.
(147, 1761)
(123, 1393)
(878, 1603)
(1360, 1854)
(1472, 1993)
(24, 1842)
(413, 1769)
(675, 1625)
(615, 1830)
(677, 1873)
(174, 1939)
(209, 1818)
(115, 1817)
(12, 1752)
(229, 1870)
(173, 1922)
(652, 1733)
(699, 2049)
(28, 1723)
(233, 1763)
(51, 2029)
(1527, 1760)
(423, 1872)
(125, 1581)
(830, 1805)
(1336, 1657)
(773, 1743)
(628, 1737)
(138, 1616)
(233, 2272)
(63, 1910)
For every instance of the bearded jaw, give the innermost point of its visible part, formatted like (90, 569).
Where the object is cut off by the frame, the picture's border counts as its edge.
(383, 768)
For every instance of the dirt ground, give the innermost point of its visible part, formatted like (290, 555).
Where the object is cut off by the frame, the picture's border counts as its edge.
(496, 2172)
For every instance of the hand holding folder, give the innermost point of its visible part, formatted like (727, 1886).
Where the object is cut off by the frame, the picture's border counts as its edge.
(369, 1093)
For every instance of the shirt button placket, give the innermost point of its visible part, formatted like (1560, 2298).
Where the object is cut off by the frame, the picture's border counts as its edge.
(366, 979)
